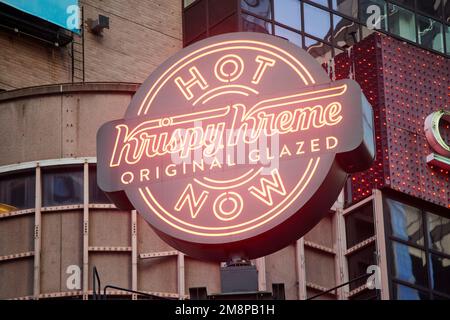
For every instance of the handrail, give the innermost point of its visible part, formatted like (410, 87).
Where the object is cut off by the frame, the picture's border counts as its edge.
(343, 284)
(154, 296)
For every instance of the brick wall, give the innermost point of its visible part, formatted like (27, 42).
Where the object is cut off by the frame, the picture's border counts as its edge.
(142, 35)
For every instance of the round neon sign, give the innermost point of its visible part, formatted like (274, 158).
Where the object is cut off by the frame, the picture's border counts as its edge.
(236, 145)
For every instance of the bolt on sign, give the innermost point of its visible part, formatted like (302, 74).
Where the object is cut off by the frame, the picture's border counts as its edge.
(236, 146)
(441, 157)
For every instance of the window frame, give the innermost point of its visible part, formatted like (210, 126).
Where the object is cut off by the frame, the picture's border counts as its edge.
(424, 209)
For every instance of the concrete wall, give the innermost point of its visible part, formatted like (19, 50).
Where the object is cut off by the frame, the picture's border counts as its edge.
(43, 124)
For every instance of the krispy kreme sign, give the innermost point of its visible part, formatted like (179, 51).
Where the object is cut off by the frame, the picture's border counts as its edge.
(235, 146)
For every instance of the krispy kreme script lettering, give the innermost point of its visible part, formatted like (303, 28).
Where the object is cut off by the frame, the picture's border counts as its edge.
(179, 134)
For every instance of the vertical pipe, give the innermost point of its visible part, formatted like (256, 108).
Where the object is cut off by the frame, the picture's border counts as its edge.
(300, 268)
(381, 244)
(37, 235)
(261, 267)
(181, 276)
(85, 230)
(134, 252)
(340, 248)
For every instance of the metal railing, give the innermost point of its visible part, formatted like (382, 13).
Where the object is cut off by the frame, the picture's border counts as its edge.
(97, 293)
(342, 285)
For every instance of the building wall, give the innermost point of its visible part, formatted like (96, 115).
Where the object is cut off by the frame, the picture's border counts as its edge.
(122, 54)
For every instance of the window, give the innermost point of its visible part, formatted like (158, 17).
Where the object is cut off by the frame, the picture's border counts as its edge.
(317, 22)
(367, 10)
(293, 37)
(17, 190)
(359, 225)
(345, 32)
(419, 243)
(260, 8)
(195, 27)
(406, 222)
(409, 264)
(447, 11)
(438, 233)
(408, 293)
(319, 50)
(347, 7)
(430, 7)
(95, 194)
(321, 2)
(62, 186)
(336, 23)
(430, 33)
(407, 3)
(253, 24)
(358, 262)
(288, 13)
(440, 273)
(402, 22)
(447, 38)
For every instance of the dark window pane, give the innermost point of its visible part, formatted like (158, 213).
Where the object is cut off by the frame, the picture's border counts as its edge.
(322, 2)
(345, 32)
(293, 37)
(218, 10)
(440, 273)
(288, 12)
(409, 264)
(406, 221)
(317, 22)
(447, 11)
(430, 7)
(402, 22)
(225, 26)
(95, 194)
(319, 50)
(430, 33)
(358, 263)
(17, 190)
(408, 3)
(373, 14)
(347, 7)
(195, 21)
(359, 225)
(257, 7)
(447, 38)
(406, 293)
(62, 186)
(438, 233)
(250, 23)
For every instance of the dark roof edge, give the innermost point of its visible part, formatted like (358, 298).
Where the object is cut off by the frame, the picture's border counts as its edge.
(113, 87)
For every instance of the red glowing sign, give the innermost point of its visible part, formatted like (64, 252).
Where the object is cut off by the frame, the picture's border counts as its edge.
(236, 146)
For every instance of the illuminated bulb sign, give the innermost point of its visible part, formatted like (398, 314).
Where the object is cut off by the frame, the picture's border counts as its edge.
(432, 132)
(236, 146)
